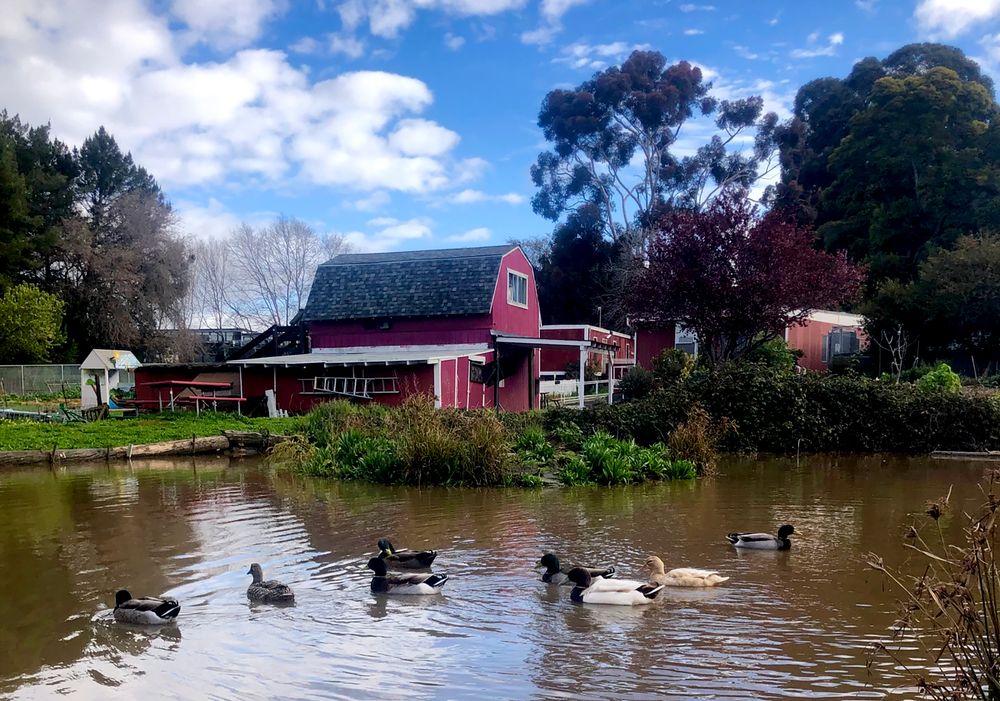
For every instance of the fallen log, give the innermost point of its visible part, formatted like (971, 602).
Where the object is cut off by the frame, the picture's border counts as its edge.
(244, 442)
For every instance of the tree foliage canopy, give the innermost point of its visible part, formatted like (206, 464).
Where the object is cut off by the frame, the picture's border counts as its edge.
(612, 136)
(896, 160)
(736, 279)
(30, 323)
(612, 170)
(93, 228)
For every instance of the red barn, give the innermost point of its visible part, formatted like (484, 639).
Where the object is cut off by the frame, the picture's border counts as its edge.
(608, 347)
(461, 324)
(826, 335)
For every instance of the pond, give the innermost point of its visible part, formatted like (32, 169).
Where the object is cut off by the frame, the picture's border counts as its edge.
(788, 624)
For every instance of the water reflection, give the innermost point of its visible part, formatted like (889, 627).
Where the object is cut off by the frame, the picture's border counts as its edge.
(787, 624)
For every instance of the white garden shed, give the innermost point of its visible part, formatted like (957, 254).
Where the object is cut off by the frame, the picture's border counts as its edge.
(104, 370)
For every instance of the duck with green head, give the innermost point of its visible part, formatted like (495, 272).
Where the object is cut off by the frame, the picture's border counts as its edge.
(405, 558)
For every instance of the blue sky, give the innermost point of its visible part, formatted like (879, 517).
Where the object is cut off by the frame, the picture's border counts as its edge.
(403, 123)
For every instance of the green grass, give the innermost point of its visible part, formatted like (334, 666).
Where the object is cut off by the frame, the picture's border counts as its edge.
(30, 435)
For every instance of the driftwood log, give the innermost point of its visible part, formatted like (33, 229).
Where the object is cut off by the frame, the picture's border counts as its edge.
(243, 442)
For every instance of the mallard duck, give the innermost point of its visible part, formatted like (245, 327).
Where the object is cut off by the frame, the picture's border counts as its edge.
(682, 576)
(146, 611)
(269, 592)
(554, 574)
(763, 541)
(622, 592)
(405, 558)
(411, 584)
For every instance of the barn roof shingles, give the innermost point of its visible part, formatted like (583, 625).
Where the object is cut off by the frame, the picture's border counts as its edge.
(449, 282)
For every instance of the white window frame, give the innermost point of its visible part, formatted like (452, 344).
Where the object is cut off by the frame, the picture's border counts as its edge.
(510, 289)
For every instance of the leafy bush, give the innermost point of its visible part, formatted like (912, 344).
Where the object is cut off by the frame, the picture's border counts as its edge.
(775, 354)
(941, 379)
(672, 365)
(605, 459)
(533, 446)
(637, 383)
(756, 408)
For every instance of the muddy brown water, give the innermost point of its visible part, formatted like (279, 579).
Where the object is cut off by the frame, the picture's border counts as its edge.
(788, 625)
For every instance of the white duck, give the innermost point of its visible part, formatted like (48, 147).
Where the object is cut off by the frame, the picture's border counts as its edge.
(763, 541)
(145, 611)
(620, 592)
(682, 576)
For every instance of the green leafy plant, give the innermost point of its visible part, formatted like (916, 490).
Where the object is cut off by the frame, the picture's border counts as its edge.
(941, 379)
(671, 366)
(533, 446)
(637, 383)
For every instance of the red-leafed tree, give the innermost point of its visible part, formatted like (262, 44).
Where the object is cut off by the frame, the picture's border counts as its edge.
(736, 278)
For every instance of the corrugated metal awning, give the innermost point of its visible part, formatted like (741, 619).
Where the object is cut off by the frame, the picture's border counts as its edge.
(342, 357)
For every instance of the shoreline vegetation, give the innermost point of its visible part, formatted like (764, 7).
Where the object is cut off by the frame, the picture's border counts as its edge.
(29, 435)
(677, 419)
(416, 444)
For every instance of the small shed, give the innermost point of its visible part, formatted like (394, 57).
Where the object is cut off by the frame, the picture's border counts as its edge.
(104, 370)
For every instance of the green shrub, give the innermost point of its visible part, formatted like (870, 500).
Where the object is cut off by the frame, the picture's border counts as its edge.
(533, 446)
(941, 379)
(637, 383)
(755, 408)
(775, 354)
(671, 366)
(607, 460)
(575, 470)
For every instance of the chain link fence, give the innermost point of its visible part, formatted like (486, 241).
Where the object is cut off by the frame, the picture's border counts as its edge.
(38, 379)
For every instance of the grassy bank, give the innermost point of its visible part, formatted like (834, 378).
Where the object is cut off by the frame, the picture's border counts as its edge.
(30, 435)
(417, 444)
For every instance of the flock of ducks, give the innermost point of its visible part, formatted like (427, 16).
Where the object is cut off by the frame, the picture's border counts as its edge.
(591, 585)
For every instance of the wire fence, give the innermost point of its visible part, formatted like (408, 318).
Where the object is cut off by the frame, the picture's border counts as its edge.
(38, 379)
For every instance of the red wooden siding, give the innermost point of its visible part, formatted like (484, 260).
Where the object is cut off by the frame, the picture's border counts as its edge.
(509, 318)
(649, 343)
(401, 332)
(809, 338)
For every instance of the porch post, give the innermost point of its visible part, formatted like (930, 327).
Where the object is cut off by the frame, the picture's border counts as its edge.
(611, 377)
(437, 385)
(583, 376)
(496, 376)
(531, 379)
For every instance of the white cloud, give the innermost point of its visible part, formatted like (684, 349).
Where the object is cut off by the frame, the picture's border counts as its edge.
(387, 18)
(552, 12)
(691, 7)
(869, 6)
(374, 202)
(347, 45)
(477, 196)
(306, 45)
(596, 56)
(813, 50)
(453, 41)
(250, 117)
(209, 221)
(387, 233)
(949, 18)
(225, 24)
(693, 32)
(745, 52)
(419, 137)
(478, 234)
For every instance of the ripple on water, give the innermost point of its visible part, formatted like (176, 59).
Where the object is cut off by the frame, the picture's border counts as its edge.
(788, 625)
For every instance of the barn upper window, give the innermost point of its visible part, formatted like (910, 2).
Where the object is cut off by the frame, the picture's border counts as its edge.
(517, 289)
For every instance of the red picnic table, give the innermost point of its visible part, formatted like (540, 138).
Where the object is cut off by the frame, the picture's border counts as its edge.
(196, 395)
